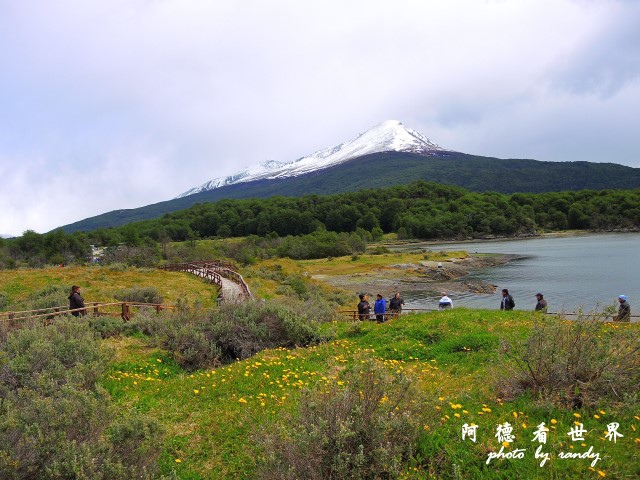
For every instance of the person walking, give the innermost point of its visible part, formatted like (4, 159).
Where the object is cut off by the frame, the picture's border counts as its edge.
(364, 309)
(379, 308)
(76, 301)
(395, 304)
(507, 302)
(624, 310)
(445, 302)
(541, 306)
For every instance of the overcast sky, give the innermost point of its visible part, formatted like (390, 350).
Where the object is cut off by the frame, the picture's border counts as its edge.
(117, 104)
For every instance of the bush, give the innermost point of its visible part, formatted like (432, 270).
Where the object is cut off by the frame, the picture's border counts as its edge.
(293, 285)
(48, 297)
(573, 363)
(366, 429)
(378, 250)
(192, 348)
(4, 301)
(139, 295)
(200, 339)
(108, 326)
(55, 421)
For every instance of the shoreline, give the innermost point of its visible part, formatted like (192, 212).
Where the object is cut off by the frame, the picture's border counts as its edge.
(424, 275)
(558, 234)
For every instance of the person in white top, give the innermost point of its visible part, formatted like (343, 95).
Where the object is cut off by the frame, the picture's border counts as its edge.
(444, 302)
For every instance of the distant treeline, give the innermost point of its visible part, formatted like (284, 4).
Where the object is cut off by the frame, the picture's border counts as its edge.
(421, 210)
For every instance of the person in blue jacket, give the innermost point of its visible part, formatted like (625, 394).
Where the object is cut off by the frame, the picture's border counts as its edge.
(379, 308)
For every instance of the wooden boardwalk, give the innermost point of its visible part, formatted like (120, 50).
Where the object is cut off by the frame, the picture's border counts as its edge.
(233, 288)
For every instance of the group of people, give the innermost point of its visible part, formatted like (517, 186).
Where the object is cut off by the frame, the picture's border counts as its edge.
(379, 307)
(624, 309)
(507, 303)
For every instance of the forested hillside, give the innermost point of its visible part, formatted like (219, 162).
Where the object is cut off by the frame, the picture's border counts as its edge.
(342, 224)
(381, 170)
(421, 210)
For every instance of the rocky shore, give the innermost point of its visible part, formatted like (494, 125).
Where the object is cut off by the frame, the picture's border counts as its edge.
(430, 276)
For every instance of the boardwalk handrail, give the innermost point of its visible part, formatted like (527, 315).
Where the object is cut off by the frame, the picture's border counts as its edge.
(212, 270)
(202, 269)
(95, 309)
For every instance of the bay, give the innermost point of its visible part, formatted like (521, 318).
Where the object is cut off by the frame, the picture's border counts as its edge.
(584, 272)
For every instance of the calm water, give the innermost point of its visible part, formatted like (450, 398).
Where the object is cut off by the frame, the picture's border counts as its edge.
(571, 272)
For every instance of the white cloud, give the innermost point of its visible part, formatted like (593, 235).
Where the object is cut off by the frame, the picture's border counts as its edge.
(143, 100)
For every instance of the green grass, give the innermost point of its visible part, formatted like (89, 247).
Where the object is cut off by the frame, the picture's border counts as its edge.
(210, 416)
(102, 283)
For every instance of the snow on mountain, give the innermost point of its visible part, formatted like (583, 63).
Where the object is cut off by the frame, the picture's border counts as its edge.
(389, 136)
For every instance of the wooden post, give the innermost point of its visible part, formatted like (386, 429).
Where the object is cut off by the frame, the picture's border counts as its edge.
(95, 309)
(126, 313)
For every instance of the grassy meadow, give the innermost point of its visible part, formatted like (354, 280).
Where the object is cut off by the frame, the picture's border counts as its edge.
(212, 415)
(102, 283)
(459, 367)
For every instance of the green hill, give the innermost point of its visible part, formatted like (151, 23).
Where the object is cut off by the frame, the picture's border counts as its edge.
(379, 170)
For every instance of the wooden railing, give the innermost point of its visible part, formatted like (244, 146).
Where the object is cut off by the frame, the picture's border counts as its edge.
(212, 271)
(200, 269)
(123, 310)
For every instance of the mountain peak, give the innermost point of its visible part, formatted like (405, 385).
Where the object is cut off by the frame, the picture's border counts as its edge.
(388, 136)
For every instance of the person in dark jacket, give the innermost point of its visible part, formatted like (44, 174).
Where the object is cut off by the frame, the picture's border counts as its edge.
(507, 302)
(76, 301)
(379, 308)
(541, 306)
(624, 310)
(395, 304)
(364, 309)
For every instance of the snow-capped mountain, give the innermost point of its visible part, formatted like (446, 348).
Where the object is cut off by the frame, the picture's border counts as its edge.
(389, 136)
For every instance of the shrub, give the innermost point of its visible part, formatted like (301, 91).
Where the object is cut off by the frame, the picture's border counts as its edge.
(573, 363)
(192, 348)
(200, 339)
(4, 301)
(240, 331)
(378, 250)
(48, 297)
(55, 421)
(293, 285)
(366, 429)
(108, 326)
(139, 295)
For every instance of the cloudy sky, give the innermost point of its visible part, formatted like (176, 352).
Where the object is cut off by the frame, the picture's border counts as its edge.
(118, 104)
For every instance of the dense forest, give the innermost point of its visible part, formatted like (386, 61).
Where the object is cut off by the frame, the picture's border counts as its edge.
(387, 169)
(315, 226)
